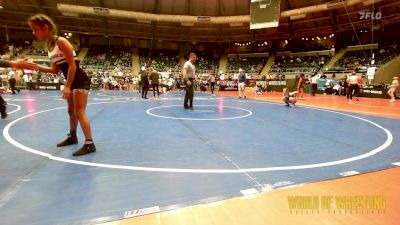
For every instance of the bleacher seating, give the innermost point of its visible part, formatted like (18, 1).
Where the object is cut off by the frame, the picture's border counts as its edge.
(252, 65)
(355, 60)
(206, 65)
(108, 58)
(299, 63)
(161, 61)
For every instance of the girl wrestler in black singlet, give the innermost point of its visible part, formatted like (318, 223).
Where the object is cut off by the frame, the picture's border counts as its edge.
(77, 86)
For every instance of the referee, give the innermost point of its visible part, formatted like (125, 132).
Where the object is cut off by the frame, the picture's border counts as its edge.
(189, 72)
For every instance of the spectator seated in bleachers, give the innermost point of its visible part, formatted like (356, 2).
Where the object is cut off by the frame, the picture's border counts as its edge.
(207, 65)
(251, 65)
(160, 60)
(108, 58)
(361, 59)
(14, 49)
(297, 63)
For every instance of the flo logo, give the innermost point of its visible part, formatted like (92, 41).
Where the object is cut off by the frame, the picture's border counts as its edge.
(370, 15)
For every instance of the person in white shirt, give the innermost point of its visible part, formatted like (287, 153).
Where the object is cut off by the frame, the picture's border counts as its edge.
(170, 84)
(393, 88)
(314, 84)
(212, 83)
(105, 83)
(353, 86)
(289, 97)
(241, 83)
(26, 79)
(189, 73)
(221, 75)
(12, 81)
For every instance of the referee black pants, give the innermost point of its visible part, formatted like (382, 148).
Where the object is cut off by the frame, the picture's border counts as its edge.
(188, 102)
(314, 89)
(355, 88)
(12, 83)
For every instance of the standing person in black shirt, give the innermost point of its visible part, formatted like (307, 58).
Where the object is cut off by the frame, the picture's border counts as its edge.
(153, 77)
(144, 82)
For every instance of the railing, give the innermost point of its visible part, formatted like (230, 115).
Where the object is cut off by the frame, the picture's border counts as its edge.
(293, 70)
(387, 59)
(29, 53)
(105, 68)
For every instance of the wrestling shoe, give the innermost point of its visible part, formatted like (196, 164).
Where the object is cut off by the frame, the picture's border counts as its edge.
(71, 139)
(3, 111)
(86, 149)
(4, 114)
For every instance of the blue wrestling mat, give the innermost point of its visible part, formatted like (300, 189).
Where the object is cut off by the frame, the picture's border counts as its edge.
(154, 154)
